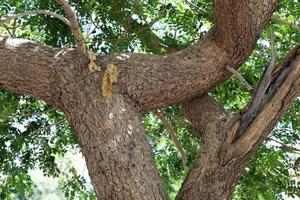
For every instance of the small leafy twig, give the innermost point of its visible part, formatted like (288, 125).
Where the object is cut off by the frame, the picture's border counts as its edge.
(172, 133)
(7, 117)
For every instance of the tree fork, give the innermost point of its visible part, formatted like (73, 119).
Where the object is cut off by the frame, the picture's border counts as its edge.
(221, 162)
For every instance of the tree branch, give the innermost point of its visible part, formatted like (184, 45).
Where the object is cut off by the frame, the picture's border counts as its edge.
(172, 133)
(240, 78)
(74, 25)
(35, 12)
(285, 22)
(285, 146)
(204, 112)
(259, 97)
(35, 70)
(157, 81)
(280, 95)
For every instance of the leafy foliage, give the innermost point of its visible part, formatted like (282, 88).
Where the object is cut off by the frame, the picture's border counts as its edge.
(34, 134)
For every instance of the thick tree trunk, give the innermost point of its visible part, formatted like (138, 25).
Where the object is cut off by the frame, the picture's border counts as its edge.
(113, 141)
(109, 131)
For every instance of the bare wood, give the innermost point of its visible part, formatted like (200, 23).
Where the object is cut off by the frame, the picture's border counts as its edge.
(35, 12)
(263, 123)
(74, 25)
(259, 97)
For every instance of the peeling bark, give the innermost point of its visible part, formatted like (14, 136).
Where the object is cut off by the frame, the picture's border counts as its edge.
(221, 162)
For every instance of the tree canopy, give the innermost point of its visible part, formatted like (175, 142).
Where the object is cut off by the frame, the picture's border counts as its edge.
(34, 134)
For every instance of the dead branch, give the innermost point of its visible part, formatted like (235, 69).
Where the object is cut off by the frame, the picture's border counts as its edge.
(294, 149)
(259, 98)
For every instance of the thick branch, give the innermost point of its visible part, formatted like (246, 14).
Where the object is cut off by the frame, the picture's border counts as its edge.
(32, 69)
(156, 81)
(203, 112)
(238, 25)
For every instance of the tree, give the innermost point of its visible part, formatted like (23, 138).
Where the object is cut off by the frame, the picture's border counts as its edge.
(108, 127)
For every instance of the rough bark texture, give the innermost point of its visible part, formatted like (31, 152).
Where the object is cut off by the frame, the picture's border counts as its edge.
(220, 161)
(109, 131)
(114, 144)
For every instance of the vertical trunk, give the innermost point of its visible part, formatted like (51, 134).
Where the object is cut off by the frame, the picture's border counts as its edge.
(115, 147)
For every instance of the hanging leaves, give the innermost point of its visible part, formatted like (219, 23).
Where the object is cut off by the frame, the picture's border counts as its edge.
(110, 76)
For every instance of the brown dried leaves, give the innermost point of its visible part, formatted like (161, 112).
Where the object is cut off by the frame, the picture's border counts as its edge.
(93, 67)
(110, 76)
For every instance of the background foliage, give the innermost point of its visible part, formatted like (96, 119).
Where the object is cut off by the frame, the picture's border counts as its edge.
(35, 135)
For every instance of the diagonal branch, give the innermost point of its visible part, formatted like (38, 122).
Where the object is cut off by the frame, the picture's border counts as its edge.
(240, 78)
(286, 146)
(172, 133)
(280, 95)
(74, 25)
(259, 97)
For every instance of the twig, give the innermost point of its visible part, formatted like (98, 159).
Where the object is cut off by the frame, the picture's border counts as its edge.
(296, 150)
(47, 127)
(5, 117)
(172, 133)
(7, 29)
(240, 77)
(35, 12)
(74, 25)
(285, 22)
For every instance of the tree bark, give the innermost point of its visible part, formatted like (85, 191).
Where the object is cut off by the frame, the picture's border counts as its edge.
(109, 131)
(113, 141)
(221, 161)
